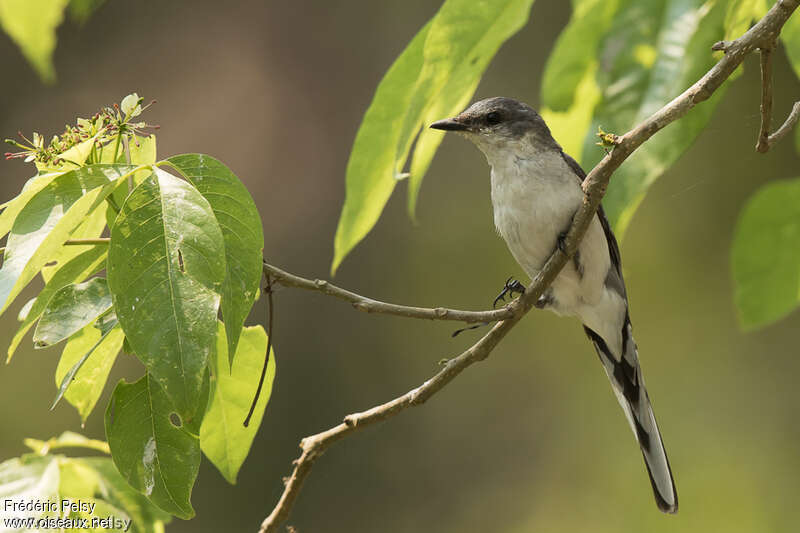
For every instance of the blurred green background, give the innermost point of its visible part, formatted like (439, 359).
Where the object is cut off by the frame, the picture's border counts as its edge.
(533, 438)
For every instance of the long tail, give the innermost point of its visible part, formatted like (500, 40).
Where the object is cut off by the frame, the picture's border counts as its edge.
(628, 384)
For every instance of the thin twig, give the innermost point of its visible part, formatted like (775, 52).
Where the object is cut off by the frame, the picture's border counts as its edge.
(766, 97)
(594, 187)
(787, 126)
(368, 305)
(270, 310)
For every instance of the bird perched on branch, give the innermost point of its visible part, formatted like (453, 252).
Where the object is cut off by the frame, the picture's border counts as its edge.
(536, 190)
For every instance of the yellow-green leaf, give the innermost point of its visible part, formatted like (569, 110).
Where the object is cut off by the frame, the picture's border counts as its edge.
(32, 25)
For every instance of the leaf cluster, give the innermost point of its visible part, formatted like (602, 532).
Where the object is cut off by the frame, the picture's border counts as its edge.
(161, 260)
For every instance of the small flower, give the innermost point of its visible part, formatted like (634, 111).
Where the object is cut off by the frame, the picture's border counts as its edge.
(131, 105)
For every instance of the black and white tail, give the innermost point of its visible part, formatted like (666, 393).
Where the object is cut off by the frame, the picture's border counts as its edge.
(628, 384)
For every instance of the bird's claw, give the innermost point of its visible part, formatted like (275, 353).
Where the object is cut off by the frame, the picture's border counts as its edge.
(511, 286)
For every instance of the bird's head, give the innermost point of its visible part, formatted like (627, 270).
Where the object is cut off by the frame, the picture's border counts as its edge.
(497, 125)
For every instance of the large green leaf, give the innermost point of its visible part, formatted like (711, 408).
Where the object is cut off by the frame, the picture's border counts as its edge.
(766, 254)
(223, 437)
(28, 478)
(47, 221)
(166, 266)
(71, 309)
(436, 74)
(75, 271)
(240, 223)
(32, 25)
(649, 52)
(372, 168)
(158, 458)
(85, 364)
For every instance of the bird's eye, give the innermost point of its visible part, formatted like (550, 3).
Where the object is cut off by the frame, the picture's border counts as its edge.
(493, 118)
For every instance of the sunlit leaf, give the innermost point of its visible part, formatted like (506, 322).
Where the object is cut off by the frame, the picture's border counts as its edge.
(166, 267)
(47, 220)
(158, 458)
(240, 223)
(15, 205)
(68, 439)
(223, 437)
(75, 271)
(372, 168)
(29, 478)
(652, 52)
(32, 25)
(436, 74)
(70, 309)
(766, 254)
(85, 364)
(739, 15)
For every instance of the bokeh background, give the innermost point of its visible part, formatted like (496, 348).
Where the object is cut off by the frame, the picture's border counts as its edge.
(530, 440)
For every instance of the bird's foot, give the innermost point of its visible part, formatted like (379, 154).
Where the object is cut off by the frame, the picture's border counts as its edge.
(511, 286)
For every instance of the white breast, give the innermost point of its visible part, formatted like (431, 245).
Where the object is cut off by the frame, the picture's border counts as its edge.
(534, 198)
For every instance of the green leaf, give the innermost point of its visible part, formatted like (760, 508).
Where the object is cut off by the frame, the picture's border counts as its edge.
(68, 439)
(47, 221)
(29, 478)
(14, 206)
(76, 270)
(157, 458)
(223, 437)
(372, 168)
(147, 518)
(651, 53)
(436, 74)
(464, 37)
(569, 88)
(71, 309)
(81, 10)
(575, 52)
(91, 228)
(166, 266)
(766, 254)
(32, 25)
(142, 152)
(240, 223)
(85, 364)
(739, 15)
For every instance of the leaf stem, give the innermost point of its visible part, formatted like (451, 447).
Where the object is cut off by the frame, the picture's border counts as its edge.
(87, 242)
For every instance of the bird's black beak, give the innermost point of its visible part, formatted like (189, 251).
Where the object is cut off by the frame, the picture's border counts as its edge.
(449, 124)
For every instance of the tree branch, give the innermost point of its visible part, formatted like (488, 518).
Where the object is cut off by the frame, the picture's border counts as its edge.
(368, 305)
(766, 97)
(594, 187)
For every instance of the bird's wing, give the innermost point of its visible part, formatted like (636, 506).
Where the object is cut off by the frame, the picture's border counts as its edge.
(614, 280)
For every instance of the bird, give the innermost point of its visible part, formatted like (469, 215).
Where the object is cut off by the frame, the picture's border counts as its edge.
(535, 192)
